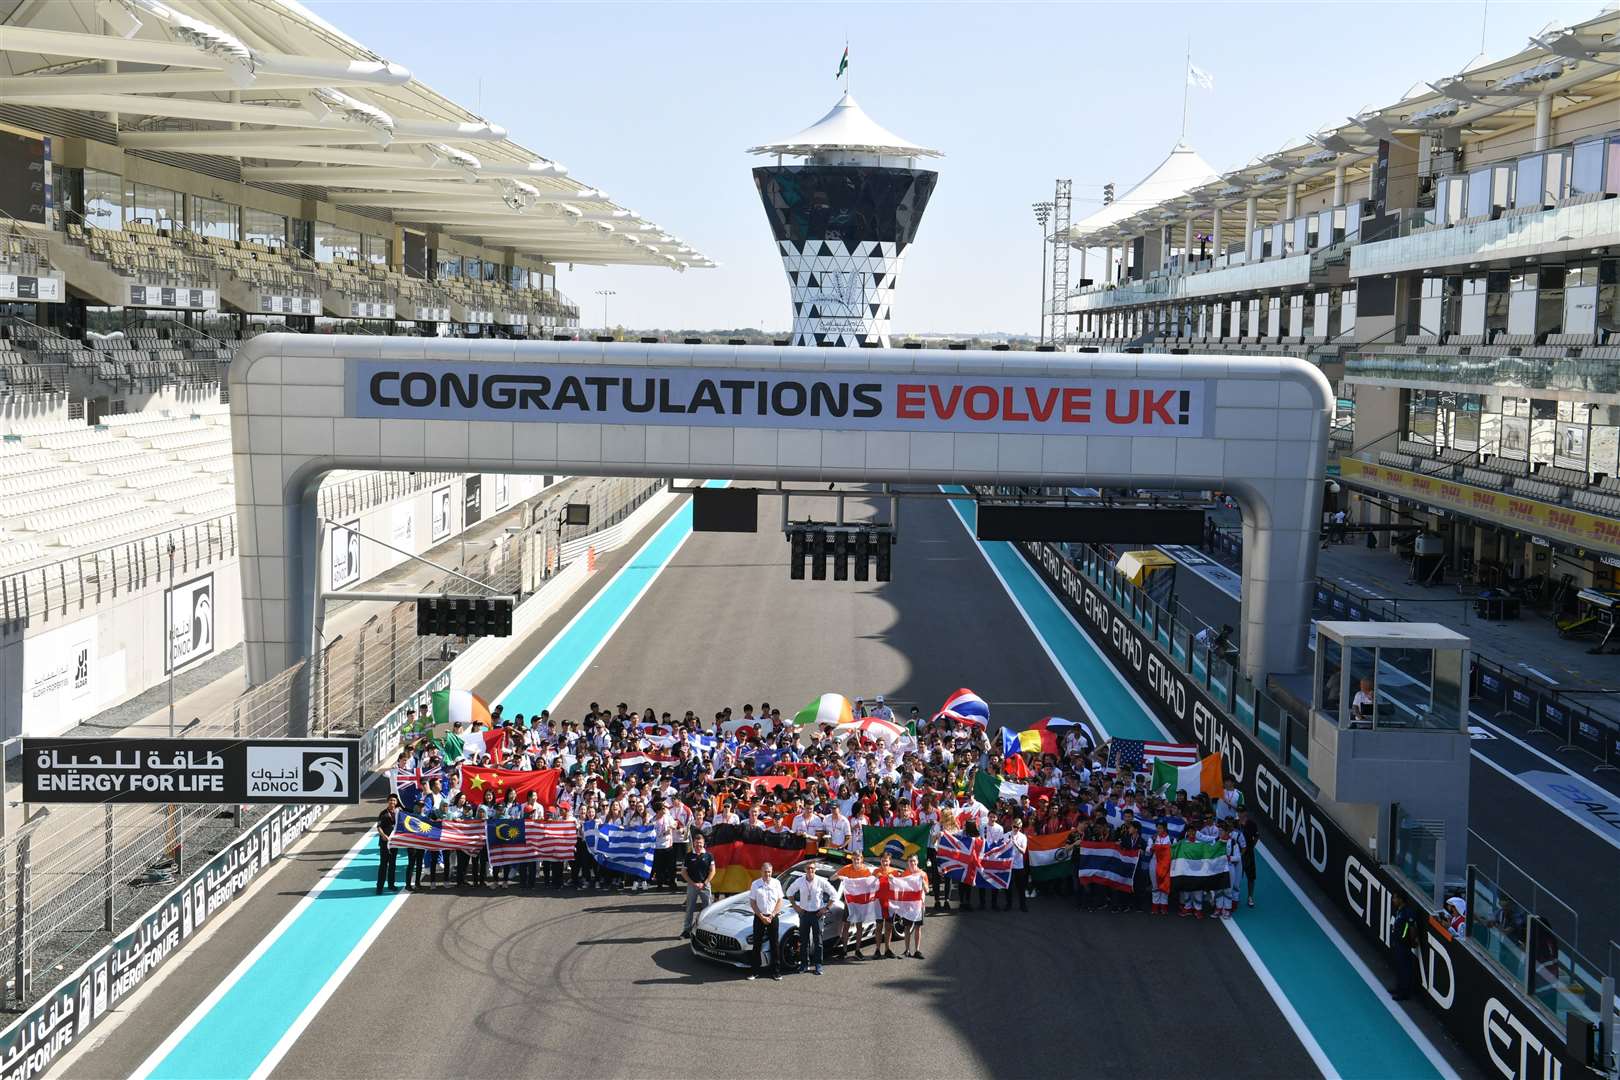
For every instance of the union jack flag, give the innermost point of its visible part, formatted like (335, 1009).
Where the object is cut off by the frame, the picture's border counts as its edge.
(972, 861)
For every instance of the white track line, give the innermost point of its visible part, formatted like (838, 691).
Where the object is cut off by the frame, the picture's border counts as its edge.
(1302, 1032)
(1280, 999)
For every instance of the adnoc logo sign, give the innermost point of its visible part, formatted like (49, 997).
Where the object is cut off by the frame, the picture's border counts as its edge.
(726, 397)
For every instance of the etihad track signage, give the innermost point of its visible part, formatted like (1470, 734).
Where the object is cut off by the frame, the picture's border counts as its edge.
(1485, 1014)
(720, 397)
(125, 770)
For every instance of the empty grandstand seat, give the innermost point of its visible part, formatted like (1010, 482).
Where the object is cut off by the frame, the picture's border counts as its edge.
(1484, 478)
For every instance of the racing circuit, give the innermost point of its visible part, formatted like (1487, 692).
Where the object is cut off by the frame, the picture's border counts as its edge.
(314, 969)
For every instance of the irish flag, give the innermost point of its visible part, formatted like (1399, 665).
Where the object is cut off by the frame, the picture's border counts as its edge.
(460, 706)
(828, 710)
(1048, 857)
(1205, 776)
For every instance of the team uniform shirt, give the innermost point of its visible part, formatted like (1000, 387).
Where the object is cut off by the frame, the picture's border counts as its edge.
(1020, 844)
(812, 892)
(665, 830)
(764, 895)
(837, 829)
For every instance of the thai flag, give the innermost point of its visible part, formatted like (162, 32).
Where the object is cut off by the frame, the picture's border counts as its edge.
(633, 766)
(966, 707)
(1108, 865)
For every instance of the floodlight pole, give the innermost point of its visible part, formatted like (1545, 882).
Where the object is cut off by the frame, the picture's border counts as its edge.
(1042, 211)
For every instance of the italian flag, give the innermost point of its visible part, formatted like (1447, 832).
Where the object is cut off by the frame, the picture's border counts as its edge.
(1048, 857)
(843, 64)
(1205, 776)
(828, 710)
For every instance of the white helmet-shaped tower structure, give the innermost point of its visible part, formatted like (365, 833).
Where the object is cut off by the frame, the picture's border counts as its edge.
(843, 220)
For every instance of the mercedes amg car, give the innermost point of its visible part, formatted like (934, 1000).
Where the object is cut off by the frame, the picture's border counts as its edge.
(725, 930)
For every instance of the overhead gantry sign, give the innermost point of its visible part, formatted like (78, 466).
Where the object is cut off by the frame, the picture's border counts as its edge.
(303, 405)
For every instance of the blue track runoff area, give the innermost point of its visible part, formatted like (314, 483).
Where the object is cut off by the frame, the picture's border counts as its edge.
(245, 1026)
(1358, 1034)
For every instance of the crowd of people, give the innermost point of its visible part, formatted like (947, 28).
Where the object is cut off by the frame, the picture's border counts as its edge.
(684, 777)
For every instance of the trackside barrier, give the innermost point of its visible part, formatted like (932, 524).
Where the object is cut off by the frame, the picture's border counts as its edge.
(63, 1016)
(30, 1045)
(1490, 1018)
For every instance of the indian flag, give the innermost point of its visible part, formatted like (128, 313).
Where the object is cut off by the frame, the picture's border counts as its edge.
(1048, 857)
(828, 710)
(1205, 776)
(460, 707)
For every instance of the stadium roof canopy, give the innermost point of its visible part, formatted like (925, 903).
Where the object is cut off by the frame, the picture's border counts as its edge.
(846, 127)
(297, 103)
(1573, 66)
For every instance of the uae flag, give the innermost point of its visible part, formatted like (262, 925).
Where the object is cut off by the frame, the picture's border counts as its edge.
(739, 851)
(1048, 857)
(480, 784)
(1196, 866)
(1204, 776)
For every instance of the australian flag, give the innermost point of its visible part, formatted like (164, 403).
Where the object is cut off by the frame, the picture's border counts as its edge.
(971, 861)
(410, 784)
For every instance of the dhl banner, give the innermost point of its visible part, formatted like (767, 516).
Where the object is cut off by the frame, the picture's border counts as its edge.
(1527, 515)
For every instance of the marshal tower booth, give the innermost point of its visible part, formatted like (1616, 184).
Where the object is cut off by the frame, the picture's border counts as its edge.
(843, 220)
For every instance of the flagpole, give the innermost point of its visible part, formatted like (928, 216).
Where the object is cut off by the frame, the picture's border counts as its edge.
(1186, 85)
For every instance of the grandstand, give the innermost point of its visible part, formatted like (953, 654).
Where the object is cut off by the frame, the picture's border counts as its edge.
(174, 179)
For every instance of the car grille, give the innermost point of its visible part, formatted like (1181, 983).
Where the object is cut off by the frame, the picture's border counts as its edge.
(717, 942)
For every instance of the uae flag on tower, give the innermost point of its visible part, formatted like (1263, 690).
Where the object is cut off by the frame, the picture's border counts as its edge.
(843, 64)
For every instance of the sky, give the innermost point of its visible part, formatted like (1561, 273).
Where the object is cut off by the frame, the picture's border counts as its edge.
(657, 103)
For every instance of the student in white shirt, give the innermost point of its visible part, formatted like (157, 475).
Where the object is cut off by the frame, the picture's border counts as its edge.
(1020, 868)
(810, 895)
(765, 899)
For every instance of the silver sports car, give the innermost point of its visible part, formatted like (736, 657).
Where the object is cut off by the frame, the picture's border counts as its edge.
(725, 929)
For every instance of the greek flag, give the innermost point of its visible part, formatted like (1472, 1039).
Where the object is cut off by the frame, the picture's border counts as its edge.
(625, 848)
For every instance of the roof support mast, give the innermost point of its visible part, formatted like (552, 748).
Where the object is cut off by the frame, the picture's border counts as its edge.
(1060, 264)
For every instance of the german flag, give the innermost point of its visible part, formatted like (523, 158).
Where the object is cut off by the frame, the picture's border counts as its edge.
(739, 851)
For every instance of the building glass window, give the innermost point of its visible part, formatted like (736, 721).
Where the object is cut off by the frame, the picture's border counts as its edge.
(1586, 169)
(153, 205)
(332, 242)
(211, 217)
(263, 227)
(1352, 220)
(103, 199)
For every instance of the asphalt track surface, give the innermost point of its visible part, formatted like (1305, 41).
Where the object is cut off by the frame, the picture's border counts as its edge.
(460, 983)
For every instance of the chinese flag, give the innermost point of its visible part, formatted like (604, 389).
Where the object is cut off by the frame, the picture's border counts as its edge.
(480, 784)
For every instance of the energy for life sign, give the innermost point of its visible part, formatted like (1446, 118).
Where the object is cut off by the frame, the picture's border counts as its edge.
(134, 770)
(727, 397)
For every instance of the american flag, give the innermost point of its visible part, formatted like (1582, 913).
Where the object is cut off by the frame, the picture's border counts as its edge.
(973, 862)
(1135, 754)
(411, 831)
(518, 840)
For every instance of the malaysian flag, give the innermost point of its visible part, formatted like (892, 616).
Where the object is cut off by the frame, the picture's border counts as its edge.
(971, 861)
(964, 706)
(1136, 754)
(518, 840)
(625, 848)
(411, 831)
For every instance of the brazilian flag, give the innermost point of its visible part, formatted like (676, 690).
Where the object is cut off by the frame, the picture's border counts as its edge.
(899, 841)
